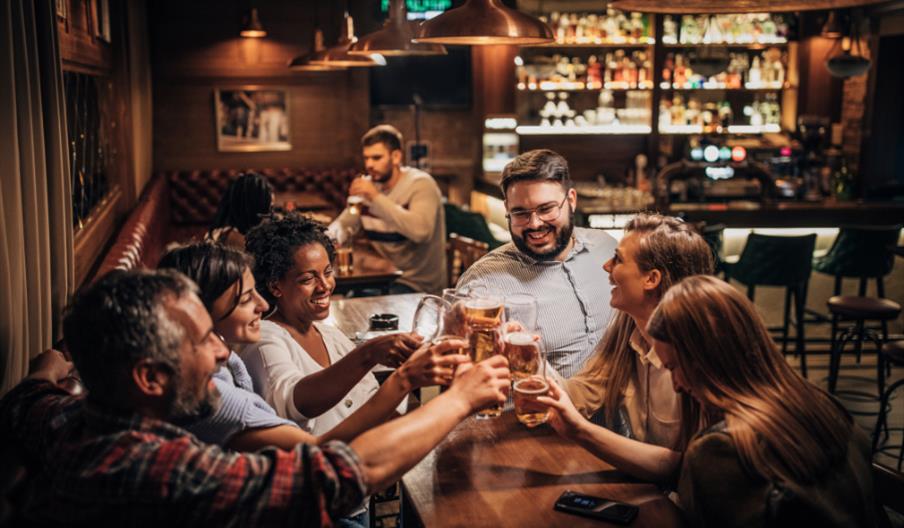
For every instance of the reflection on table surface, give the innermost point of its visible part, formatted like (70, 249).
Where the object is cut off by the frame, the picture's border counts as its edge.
(353, 315)
(499, 473)
(370, 270)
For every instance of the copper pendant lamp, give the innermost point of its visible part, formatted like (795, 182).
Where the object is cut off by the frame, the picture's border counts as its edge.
(394, 38)
(338, 55)
(734, 6)
(253, 27)
(484, 22)
(318, 50)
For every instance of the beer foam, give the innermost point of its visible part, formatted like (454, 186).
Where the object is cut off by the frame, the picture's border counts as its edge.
(520, 339)
(481, 304)
(538, 391)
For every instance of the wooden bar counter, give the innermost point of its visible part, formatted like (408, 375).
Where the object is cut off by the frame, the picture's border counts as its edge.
(499, 473)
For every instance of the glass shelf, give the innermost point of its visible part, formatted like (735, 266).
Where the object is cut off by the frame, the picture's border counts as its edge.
(538, 130)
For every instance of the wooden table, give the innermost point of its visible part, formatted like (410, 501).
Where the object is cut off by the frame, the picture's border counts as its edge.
(353, 315)
(499, 473)
(303, 201)
(371, 270)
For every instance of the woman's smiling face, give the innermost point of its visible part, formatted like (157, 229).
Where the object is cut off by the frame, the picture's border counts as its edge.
(303, 294)
(239, 322)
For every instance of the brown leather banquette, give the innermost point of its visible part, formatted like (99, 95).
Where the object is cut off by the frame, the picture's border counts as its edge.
(177, 206)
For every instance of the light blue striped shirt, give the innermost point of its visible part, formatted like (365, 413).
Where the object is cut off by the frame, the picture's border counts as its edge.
(572, 296)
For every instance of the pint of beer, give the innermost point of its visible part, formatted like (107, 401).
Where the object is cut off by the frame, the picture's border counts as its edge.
(523, 353)
(345, 260)
(484, 316)
(528, 411)
(354, 204)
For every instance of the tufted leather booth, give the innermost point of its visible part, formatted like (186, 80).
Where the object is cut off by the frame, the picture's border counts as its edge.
(195, 194)
(177, 206)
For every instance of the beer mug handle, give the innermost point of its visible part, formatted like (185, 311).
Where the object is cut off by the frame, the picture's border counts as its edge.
(428, 316)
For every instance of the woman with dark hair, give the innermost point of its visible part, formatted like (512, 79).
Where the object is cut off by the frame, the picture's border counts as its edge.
(625, 380)
(243, 419)
(307, 370)
(244, 204)
(773, 450)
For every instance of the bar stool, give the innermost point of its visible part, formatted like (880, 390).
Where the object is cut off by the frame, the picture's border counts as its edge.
(892, 353)
(860, 309)
(863, 252)
(778, 261)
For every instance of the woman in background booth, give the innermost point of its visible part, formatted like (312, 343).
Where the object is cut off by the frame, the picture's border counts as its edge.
(773, 450)
(245, 203)
(625, 379)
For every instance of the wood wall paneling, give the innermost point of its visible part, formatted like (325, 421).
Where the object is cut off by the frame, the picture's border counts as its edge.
(80, 49)
(592, 155)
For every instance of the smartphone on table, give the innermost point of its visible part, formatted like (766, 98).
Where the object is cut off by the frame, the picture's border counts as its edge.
(596, 507)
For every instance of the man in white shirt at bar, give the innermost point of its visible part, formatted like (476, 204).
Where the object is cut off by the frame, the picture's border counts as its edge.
(550, 258)
(400, 211)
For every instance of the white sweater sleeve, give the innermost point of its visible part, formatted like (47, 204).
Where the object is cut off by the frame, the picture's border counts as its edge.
(275, 365)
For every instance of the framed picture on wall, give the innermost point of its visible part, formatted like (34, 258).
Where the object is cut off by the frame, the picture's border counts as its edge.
(252, 119)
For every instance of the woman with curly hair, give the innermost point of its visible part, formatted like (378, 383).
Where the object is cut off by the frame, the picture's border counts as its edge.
(308, 370)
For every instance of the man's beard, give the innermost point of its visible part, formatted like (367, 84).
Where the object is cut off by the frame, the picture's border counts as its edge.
(563, 236)
(186, 407)
(379, 177)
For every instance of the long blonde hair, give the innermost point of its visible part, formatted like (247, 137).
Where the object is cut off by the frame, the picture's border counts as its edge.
(775, 417)
(671, 246)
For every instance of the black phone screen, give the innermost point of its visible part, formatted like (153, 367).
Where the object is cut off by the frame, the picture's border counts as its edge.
(596, 507)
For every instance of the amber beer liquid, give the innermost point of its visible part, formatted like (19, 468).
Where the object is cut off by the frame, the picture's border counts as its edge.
(523, 354)
(345, 260)
(484, 318)
(527, 409)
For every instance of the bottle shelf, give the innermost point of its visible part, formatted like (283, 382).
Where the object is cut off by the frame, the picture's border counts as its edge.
(608, 44)
(736, 45)
(715, 88)
(732, 129)
(589, 130)
(576, 87)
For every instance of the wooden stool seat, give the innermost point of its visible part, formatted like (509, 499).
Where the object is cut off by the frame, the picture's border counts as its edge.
(857, 307)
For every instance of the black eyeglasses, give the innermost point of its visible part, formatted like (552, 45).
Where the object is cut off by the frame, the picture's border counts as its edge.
(546, 213)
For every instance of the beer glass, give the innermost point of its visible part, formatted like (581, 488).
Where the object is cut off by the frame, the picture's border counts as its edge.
(427, 321)
(345, 260)
(485, 316)
(454, 321)
(529, 383)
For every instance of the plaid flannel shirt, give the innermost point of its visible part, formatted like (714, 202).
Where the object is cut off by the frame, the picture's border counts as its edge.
(89, 464)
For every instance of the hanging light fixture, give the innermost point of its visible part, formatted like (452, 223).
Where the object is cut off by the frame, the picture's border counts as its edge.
(394, 38)
(253, 27)
(736, 6)
(847, 64)
(484, 22)
(833, 27)
(338, 55)
(318, 50)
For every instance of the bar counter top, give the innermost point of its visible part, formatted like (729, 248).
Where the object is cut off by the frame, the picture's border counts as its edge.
(827, 213)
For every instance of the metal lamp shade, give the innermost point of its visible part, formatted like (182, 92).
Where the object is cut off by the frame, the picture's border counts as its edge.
(394, 38)
(734, 6)
(846, 65)
(484, 22)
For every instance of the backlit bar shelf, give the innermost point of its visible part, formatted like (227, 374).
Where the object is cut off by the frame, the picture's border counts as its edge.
(723, 87)
(583, 130)
(577, 86)
(732, 129)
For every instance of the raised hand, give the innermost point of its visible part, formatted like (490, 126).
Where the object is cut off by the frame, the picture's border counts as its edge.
(482, 384)
(392, 349)
(433, 364)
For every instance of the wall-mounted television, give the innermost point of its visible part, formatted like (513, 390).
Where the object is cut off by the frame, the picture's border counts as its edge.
(441, 81)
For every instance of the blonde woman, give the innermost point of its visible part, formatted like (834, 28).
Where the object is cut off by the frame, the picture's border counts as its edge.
(773, 449)
(625, 377)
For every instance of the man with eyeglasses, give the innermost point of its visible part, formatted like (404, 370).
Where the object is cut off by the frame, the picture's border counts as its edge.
(550, 258)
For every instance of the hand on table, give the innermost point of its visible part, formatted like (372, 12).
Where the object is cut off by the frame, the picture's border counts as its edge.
(392, 349)
(433, 364)
(563, 416)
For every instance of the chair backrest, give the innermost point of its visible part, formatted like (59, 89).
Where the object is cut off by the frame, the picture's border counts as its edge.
(462, 252)
(862, 251)
(470, 224)
(888, 487)
(775, 260)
